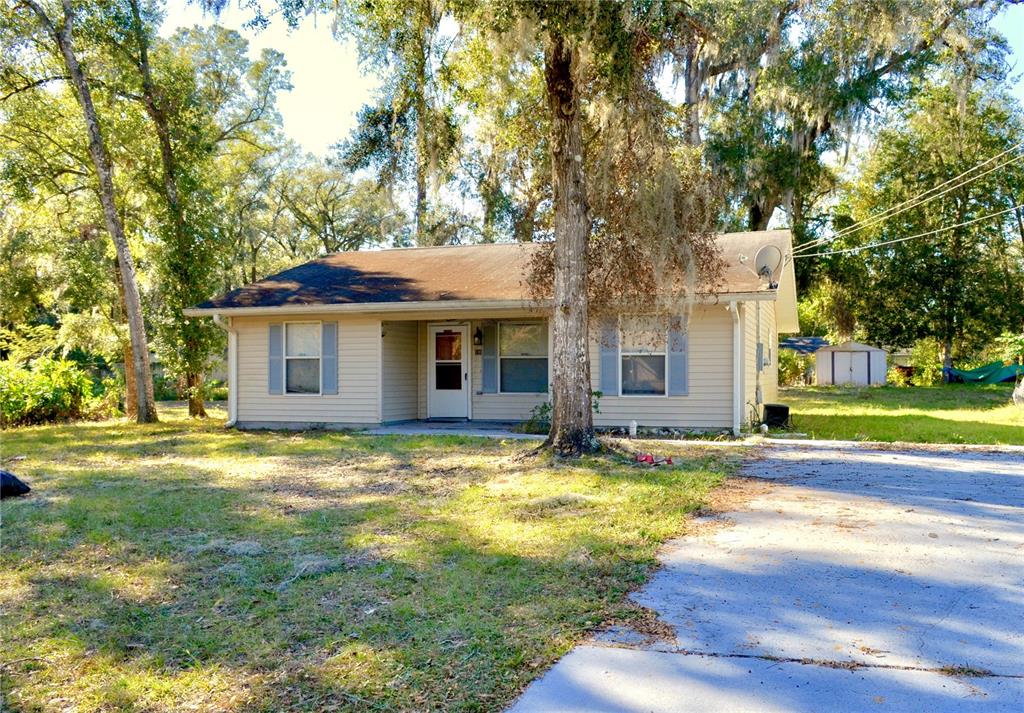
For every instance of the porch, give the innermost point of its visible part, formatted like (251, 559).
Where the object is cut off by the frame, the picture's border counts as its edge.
(491, 371)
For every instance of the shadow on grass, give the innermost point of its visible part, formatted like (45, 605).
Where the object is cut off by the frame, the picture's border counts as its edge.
(298, 571)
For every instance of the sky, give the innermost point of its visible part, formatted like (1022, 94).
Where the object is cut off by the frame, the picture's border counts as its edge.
(1011, 24)
(329, 86)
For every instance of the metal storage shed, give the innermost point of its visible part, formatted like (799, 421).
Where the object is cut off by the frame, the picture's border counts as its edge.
(850, 363)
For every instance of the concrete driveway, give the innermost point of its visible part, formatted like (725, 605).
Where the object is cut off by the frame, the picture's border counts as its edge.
(859, 579)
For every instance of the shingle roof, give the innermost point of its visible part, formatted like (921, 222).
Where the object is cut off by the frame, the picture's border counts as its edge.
(489, 272)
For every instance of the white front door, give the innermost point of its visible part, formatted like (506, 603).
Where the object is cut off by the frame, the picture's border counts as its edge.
(448, 372)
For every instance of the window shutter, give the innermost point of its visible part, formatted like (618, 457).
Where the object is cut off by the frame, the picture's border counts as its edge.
(489, 377)
(329, 358)
(678, 356)
(610, 356)
(275, 359)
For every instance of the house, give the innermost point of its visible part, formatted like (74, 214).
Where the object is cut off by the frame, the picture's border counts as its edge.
(850, 363)
(364, 338)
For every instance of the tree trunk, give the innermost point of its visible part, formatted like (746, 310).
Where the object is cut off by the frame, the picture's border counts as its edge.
(169, 166)
(145, 409)
(194, 388)
(760, 213)
(131, 404)
(692, 87)
(422, 153)
(1020, 224)
(572, 426)
(422, 236)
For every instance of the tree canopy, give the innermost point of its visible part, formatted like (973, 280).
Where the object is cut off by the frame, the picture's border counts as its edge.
(143, 172)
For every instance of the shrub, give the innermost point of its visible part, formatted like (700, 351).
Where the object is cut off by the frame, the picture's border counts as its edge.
(165, 388)
(215, 391)
(48, 390)
(926, 358)
(897, 376)
(109, 402)
(793, 367)
(539, 420)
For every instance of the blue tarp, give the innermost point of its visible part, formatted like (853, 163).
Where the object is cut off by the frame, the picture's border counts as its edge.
(803, 345)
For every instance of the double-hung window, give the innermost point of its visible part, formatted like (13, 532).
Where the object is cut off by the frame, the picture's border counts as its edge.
(523, 357)
(643, 350)
(302, 357)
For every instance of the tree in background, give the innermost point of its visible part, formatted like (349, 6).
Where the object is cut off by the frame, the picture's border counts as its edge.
(331, 212)
(182, 118)
(410, 130)
(795, 82)
(48, 40)
(962, 285)
(506, 159)
(193, 112)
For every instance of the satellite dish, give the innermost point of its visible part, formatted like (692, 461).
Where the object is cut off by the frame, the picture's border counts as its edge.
(768, 263)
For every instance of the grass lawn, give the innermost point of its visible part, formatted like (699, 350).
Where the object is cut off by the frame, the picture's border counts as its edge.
(185, 567)
(951, 413)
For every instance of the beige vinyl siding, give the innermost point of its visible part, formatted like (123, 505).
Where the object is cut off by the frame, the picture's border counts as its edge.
(401, 385)
(769, 337)
(421, 360)
(400, 372)
(770, 376)
(749, 359)
(358, 360)
(709, 403)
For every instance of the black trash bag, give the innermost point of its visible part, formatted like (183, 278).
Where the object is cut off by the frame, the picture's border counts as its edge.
(12, 486)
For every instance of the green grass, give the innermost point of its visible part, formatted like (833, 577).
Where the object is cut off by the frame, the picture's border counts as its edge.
(181, 566)
(953, 413)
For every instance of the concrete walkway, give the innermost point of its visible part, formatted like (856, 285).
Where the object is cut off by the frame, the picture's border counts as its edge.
(476, 429)
(860, 579)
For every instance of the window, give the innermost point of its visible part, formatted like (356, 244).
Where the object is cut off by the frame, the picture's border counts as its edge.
(302, 358)
(523, 357)
(448, 360)
(643, 349)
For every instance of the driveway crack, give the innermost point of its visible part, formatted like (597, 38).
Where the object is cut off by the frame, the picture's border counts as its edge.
(847, 664)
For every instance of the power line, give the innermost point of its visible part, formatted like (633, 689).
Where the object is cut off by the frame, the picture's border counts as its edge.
(912, 237)
(919, 199)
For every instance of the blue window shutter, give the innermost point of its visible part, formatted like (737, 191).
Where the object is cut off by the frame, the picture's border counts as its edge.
(275, 360)
(329, 358)
(610, 356)
(489, 377)
(678, 356)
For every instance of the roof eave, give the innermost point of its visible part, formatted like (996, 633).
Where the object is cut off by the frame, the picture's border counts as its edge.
(437, 305)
